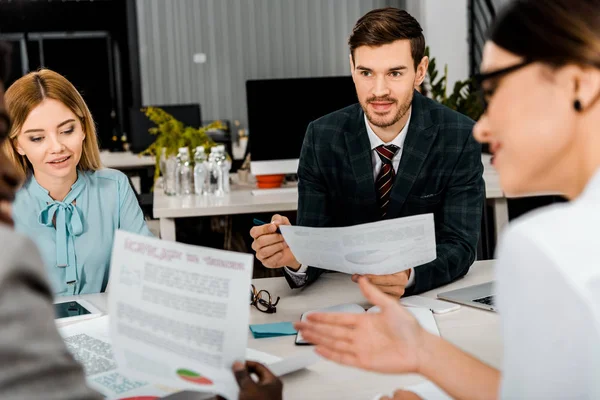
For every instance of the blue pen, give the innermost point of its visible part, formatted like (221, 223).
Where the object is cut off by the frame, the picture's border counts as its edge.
(259, 222)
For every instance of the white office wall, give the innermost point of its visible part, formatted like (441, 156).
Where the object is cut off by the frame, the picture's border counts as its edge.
(446, 28)
(242, 39)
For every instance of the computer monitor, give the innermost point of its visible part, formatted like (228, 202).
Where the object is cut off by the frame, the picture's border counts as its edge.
(140, 138)
(279, 111)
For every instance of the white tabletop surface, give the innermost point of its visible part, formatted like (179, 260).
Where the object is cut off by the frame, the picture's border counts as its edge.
(239, 201)
(124, 160)
(473, 330)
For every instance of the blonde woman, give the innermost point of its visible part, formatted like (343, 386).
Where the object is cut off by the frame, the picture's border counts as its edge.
(541, 86)
(69, 205)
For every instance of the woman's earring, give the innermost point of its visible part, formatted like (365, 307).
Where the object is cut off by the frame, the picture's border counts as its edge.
(577, 105)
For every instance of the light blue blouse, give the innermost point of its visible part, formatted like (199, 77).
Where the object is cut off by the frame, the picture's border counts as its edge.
(75, 240)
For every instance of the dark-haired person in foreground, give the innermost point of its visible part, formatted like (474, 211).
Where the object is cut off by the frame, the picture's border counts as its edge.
(394, 154)
(541, 83)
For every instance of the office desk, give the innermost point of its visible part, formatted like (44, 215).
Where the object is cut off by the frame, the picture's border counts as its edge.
(125, 160)
(473, 330)
(242, 201)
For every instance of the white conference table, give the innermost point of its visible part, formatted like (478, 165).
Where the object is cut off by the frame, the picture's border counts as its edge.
(125, 160)
(241, 201)
(473, 330)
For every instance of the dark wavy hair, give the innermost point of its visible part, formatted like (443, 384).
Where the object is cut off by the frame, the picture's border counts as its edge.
(386, 25)
(556, 32)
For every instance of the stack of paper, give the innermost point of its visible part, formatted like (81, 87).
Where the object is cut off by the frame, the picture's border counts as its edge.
(90, 344)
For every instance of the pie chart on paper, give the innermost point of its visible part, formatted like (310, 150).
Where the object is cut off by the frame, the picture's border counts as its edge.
(193, 377)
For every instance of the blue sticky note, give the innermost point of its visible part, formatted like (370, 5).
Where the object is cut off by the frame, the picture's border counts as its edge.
(272, 330)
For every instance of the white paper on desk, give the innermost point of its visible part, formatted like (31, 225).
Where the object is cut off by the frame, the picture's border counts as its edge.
(179, 313)
(379, 248)
(425, 390)
(428, 391)
(90, 345)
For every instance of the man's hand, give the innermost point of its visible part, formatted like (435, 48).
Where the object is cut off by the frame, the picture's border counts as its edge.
(268, 386)
(271, 250)
(393, 284)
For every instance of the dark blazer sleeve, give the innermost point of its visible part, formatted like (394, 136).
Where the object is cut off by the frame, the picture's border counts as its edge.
(35, 361)
(313, 203)
(459, 223)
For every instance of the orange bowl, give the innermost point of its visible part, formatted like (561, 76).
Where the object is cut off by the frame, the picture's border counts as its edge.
(269, 181)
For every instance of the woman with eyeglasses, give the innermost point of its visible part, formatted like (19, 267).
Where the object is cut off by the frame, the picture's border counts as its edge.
(68, 205)
(541, 85)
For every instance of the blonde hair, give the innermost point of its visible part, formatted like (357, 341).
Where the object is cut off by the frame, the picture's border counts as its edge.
(27, 93)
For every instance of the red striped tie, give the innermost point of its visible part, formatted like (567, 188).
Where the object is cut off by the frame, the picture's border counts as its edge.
(385, 179)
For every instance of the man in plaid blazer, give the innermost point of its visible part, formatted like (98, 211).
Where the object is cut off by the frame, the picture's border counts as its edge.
(342, 172)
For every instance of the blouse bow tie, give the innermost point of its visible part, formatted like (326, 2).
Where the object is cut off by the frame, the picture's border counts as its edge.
(66, 217)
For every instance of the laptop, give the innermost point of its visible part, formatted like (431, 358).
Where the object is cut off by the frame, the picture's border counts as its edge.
(480, 296)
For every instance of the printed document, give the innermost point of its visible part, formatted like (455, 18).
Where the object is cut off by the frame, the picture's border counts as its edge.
(179, 313)
(90, 344)
(379, 248)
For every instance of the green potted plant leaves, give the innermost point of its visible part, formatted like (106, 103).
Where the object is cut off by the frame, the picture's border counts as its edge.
(464, 97)
(171, 134)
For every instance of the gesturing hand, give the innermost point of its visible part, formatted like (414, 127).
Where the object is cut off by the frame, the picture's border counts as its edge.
(390, 341)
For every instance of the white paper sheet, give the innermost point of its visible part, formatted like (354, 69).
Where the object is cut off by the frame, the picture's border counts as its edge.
(179, 313)
(294, 363)
(90, 344)
(380, 248)
(428, 391)
(425, 390)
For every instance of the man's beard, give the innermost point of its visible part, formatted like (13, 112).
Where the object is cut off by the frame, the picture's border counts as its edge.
(380, 121)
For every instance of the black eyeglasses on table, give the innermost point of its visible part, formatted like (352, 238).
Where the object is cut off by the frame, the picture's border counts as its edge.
(262, 300)
(480, 78)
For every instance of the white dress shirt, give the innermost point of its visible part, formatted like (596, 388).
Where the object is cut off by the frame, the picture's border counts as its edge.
(377, 164)
(548, 295)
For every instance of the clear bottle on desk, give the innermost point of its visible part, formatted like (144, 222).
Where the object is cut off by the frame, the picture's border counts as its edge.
(169, 171)
(200, 171)
(184, 172)
(212, 171)
(216, 161)
(226, 168)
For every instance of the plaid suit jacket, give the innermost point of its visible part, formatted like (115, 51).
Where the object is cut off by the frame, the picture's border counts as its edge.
(440, 172)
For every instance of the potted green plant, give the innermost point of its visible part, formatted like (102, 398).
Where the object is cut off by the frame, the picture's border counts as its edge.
(464, 97)
(171, 134)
